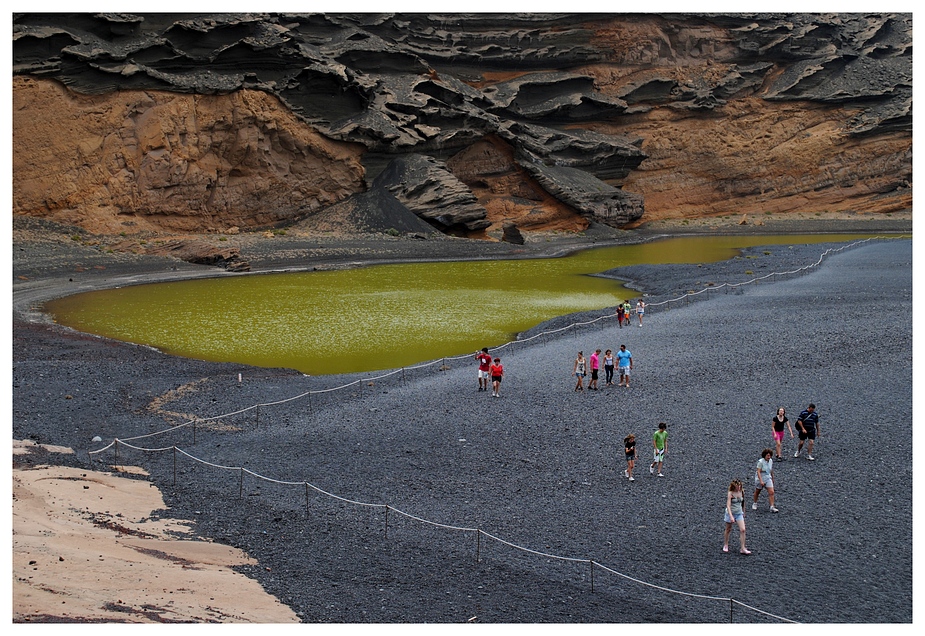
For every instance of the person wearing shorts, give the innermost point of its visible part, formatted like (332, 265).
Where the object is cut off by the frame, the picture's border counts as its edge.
(777, 428)
(659, 448)
(640, 310)
(624, 365)
(764, 478)
(484, 363)
(734, 514)
(629, 450)
(496, 371)
(621, 314)
(808, 427)
(579, 371)
(595, 368)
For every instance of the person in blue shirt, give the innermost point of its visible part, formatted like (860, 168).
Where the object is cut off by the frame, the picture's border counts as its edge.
(624, 365)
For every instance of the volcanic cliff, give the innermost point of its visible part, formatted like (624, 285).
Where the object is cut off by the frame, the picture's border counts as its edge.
(461, 124)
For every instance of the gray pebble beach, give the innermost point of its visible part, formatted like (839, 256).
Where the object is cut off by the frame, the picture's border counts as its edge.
(541, 467)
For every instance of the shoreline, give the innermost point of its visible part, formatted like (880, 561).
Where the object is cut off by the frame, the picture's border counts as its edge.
(117, 390)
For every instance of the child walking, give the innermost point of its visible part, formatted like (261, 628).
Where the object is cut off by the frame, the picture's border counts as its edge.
(496, 370)
(629, 448)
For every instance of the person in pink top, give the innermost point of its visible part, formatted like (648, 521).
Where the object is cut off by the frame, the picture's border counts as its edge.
(595, 366)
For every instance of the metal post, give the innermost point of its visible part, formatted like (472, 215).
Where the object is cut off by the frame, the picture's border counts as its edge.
(478, 545)
(386, 522)
(241, 484)
(174, 465)
(306, 501)
(115, 448)
(592, 575)
(194, 432)
(257, 411)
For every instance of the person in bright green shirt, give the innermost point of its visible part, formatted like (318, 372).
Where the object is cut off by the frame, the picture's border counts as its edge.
(660, 447)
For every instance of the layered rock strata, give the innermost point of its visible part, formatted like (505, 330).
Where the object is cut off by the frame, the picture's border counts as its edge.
(203, 122)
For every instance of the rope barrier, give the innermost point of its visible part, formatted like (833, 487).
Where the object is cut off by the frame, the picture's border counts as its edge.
(479, 532)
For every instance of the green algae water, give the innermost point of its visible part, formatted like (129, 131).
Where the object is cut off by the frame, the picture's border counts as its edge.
(377, 317)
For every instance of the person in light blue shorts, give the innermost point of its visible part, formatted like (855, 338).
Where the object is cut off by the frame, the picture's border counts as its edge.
(735, 514)
(764, 478)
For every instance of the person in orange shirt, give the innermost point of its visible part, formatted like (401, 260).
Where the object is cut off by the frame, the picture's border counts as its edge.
(496, 371)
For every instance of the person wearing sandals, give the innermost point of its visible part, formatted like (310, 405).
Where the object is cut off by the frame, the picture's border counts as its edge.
(735, 514)
(777, 428)
(579, 371)
(764, 478)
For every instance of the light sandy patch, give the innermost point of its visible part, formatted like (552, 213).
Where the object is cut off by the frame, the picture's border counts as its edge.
(86, 549)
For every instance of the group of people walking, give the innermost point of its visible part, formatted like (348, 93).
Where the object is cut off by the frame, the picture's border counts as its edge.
(622, 363)
(808, 427)
(659, 448)
(624, 311)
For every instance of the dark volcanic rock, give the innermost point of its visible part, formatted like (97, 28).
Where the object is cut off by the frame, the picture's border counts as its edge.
(435, 84)
(427, 188)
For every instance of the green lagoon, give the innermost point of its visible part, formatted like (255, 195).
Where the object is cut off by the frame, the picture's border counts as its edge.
(382, 316)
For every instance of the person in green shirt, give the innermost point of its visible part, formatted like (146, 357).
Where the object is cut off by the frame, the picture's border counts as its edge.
(660, 447)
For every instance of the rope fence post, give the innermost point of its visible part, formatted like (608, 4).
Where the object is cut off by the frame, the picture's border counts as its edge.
(386, 522)
(478, 545)
(257, 411)
(591, 561)
(174, 465)
(307, 510)
(241, 484)
(115, 450)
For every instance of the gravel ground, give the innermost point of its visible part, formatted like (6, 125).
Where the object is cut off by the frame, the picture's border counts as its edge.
(541, 466)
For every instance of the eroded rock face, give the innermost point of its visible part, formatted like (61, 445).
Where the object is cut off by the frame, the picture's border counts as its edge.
(124, 162)
(196, 122)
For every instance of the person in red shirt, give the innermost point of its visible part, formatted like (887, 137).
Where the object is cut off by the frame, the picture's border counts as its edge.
(496, 371)
(484, 363)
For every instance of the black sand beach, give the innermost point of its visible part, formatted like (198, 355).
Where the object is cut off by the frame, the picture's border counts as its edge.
(541, 466)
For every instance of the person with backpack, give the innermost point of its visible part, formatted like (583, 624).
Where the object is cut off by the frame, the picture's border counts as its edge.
(808, 427)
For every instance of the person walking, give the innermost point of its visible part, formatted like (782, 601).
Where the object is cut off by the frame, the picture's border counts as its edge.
(627, 309)
(640, 310)
(484, 363)
(764, 478)
(497, 372)
(609, 362)
(629, 450)
(809, 429)
(579, 371)
(659, 447)
(595, 368)
(735, 497)
(624, 365)
(777, 428)
(621, 314)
